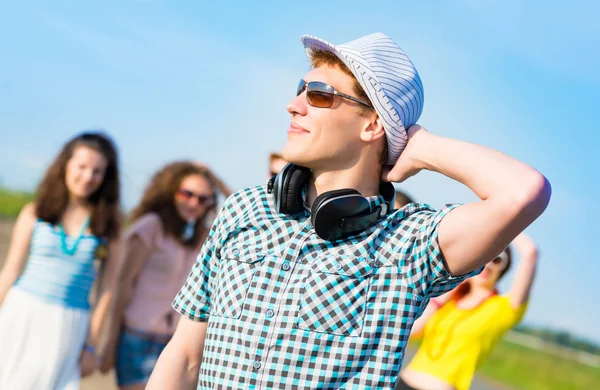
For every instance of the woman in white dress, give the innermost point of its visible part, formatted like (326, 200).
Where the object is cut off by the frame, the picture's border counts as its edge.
(61, 243)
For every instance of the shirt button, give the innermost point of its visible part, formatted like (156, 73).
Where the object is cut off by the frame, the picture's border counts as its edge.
(286, 266)
(236, 252)
(270, 313)
(377, 263)
(256, 364)
(338, 266)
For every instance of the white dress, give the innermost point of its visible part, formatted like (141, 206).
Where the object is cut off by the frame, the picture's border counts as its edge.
(44, 318)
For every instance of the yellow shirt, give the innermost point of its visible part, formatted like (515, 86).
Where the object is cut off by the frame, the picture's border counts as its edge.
(456, 342)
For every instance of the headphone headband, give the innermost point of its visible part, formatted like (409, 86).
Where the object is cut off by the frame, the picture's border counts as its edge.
(335, 214)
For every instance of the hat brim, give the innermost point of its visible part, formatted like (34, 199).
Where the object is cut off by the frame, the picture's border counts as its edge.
(311, 43)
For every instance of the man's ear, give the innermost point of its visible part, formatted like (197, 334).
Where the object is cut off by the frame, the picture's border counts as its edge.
(373, 129)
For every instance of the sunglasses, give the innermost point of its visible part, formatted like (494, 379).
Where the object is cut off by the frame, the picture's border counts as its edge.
(321, 95)
(501, 260)
(205, 200)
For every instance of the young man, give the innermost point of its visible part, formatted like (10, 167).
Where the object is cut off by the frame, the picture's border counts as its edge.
(272, 304)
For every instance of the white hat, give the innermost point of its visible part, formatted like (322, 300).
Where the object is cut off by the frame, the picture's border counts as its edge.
(387, 76)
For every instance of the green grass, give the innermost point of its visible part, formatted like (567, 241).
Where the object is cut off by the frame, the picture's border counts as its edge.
(11, 202)
(526, 368)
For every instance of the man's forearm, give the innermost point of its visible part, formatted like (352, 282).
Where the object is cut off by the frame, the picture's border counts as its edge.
(485, 171)
(174, 371)
(179, 363)
(513, 195)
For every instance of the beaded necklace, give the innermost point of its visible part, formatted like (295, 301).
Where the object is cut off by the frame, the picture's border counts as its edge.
(63, 238)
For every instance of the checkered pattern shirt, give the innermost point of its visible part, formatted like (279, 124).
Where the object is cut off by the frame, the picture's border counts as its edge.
(288, 310)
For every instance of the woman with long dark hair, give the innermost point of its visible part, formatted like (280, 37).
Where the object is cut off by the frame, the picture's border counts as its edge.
(168, 228)
(62, 243)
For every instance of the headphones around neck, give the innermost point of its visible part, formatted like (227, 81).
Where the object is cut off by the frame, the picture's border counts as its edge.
(334, 214)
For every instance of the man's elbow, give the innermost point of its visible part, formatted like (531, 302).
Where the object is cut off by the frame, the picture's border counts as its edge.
(533, 197)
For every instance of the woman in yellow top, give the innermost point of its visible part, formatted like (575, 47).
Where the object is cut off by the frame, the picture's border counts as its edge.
(460, 328)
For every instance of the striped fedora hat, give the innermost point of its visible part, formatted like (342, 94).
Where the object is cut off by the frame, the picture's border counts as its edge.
(389, 79)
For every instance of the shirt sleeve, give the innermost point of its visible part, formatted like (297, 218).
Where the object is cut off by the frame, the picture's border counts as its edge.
(426, 254)
(510, 316)
(194, 299)
(146, 228)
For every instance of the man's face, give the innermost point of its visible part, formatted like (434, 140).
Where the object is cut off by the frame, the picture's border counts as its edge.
(325, 138)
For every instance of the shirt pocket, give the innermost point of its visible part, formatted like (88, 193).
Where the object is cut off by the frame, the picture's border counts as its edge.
(334, 296)
(236, 270)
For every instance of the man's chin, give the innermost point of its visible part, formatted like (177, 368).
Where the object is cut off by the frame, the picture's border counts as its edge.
(296, 157)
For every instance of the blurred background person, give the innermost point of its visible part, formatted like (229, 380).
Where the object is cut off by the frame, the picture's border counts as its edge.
(168, 228)
(276, 162)
(460, 328)
(402, 199)
(47, 339)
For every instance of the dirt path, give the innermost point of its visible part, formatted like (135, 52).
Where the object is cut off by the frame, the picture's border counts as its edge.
(99, 382)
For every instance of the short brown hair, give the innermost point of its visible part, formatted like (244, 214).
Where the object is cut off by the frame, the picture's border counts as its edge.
(159, 198)
(275, 156)
(272, 157)
(324, 57)
(53, 195)
(403, 198)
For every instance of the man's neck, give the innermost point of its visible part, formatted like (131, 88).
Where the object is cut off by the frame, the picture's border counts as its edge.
(365, 181)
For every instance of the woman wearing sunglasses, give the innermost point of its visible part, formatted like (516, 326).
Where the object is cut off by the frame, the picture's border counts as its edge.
(168, 228)
(459, 329)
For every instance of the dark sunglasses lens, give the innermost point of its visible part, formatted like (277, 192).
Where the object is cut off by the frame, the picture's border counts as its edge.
(202, 199)
(320, 99)
(187, 194)
(205, 200)
(301, 86)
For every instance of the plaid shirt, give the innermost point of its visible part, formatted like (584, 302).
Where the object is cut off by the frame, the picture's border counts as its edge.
(286, 309)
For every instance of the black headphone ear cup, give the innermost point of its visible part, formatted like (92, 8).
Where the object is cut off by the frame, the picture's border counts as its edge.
(388, 191)
(325, 196)
(292, 190)
(331, 208)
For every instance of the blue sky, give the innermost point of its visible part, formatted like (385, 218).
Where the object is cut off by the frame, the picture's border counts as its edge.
(210, 81)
